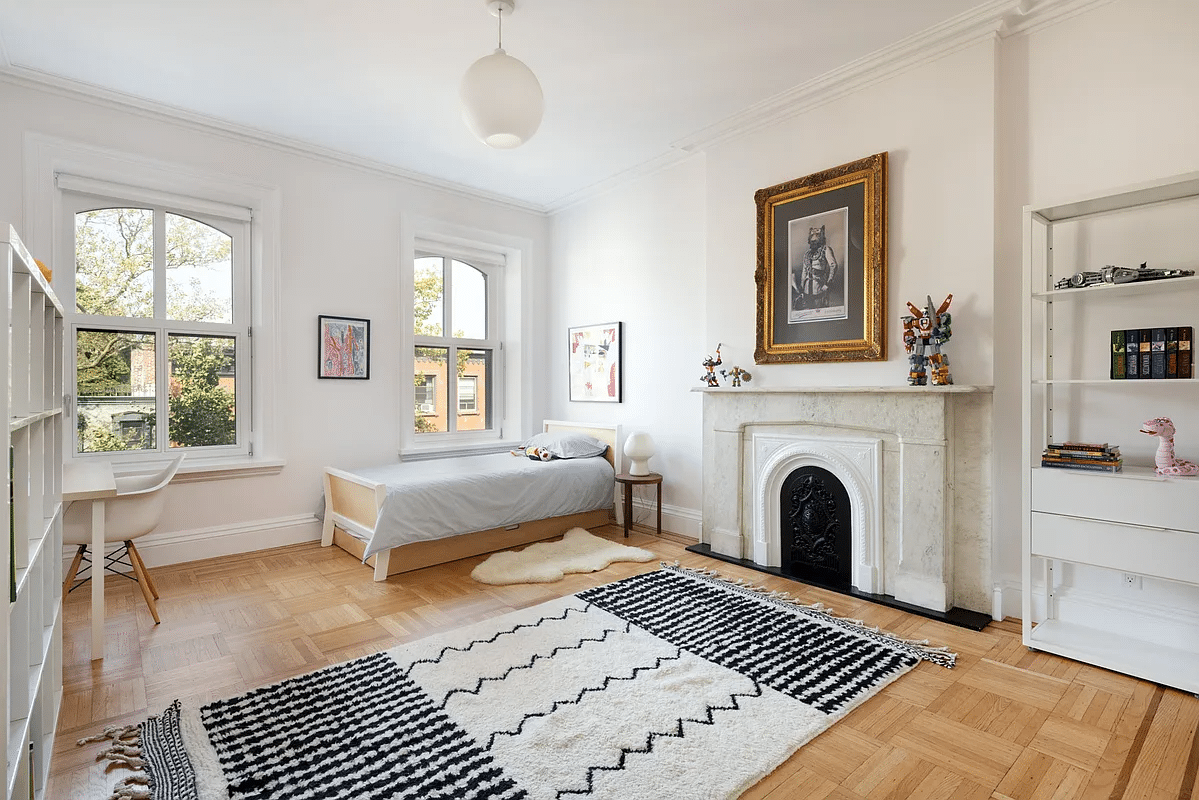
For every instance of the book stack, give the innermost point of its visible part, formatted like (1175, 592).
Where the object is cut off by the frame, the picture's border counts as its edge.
(1155, 353)
(1082, 455)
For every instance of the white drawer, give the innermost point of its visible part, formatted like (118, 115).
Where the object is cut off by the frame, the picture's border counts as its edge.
(1171, 554)
(1135, 496)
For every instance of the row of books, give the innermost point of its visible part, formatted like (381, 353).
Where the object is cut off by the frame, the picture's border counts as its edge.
(1152, 353)
(1083, 455)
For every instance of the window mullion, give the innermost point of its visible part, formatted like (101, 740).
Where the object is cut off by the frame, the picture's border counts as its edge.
(451, 388)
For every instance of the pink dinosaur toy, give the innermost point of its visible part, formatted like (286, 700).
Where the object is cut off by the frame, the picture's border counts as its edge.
(1167, 464)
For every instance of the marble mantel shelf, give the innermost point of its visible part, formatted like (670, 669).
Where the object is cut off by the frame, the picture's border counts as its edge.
(902, 389)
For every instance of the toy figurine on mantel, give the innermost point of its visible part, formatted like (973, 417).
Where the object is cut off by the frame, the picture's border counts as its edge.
(924, 331)
(738, 374)
(710, 364)
(1167, 464)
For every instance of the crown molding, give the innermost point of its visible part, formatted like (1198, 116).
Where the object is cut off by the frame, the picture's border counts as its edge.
(162, 112)
(992, 20)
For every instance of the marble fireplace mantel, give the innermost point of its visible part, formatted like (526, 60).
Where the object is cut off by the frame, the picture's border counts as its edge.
(932, 547)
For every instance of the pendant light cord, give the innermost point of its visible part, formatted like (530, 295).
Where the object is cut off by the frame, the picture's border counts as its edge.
(500, 23)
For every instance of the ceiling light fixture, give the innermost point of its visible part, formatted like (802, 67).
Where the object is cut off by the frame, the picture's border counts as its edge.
(501, 98)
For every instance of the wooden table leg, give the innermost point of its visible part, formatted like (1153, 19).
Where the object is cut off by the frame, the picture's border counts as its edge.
(97, 579)
(659, 508)
(628, 509)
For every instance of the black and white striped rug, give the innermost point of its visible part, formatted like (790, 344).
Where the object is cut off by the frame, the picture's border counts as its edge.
(671, 684)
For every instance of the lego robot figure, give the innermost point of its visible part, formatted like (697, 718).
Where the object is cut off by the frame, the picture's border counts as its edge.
(710, 364)
(923, 334)
(738, 375)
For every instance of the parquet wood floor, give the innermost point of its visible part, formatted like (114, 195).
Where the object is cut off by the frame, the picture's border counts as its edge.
(1006, 723)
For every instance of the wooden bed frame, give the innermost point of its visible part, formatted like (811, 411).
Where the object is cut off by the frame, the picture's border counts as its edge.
(352, 503)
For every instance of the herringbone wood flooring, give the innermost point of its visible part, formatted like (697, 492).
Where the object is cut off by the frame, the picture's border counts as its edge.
(1007, 723)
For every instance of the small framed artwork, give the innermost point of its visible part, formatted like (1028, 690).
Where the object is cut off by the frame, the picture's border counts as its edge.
(595, 363)
(822, 266)
(344, 348)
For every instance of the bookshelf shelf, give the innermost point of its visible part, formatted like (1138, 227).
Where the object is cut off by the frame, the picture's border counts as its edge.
(31, 646)
(1135, 522)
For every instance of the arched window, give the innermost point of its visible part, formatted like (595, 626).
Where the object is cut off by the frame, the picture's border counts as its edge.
(159, 336)
(458, 350)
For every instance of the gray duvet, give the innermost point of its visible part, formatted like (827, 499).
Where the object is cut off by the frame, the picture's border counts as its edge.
(445, 497)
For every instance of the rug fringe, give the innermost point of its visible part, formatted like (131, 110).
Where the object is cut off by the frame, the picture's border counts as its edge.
(134, 787)
(921, 648)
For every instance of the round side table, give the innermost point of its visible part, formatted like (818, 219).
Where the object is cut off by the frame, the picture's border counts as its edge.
(627, 482)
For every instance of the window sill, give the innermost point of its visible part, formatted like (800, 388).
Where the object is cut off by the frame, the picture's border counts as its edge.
(451, 449)
(213, 469)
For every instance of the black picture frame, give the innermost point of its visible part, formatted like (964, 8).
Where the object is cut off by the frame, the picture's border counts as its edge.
(822, 266)
(595, 363)
(343, 348)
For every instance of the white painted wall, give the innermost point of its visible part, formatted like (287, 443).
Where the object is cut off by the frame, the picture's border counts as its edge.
(1100, 99)
(341, 253)
(637, 255)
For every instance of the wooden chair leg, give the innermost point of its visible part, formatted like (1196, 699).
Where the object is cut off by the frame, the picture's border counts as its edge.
(134, 555)
(73, 571)
(143, 582)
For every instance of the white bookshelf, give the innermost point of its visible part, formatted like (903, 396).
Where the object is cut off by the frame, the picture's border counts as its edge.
(1134, 522)
(32, 640)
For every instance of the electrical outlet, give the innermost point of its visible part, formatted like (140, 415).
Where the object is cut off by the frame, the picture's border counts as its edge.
(1132, 581)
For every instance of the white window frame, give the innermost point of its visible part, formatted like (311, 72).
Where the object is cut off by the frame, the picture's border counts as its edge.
(491, 265)
(47, 157)
(82, 195)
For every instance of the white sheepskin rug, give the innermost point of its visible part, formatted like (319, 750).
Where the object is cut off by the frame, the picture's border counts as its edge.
(546, 562)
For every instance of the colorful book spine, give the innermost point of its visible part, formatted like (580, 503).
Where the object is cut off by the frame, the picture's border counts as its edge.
(1132, 344)
(1184, 353)
(1171, 352)
(1084, 454)
(1157, 354)
(1094, 446)
(1119, 369)
(1146, 345)
(1086, 466)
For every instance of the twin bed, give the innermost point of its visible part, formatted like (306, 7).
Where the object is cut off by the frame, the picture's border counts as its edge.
(406, 516)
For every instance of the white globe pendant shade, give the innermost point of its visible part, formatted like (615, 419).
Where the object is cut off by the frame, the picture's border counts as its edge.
(501, 100)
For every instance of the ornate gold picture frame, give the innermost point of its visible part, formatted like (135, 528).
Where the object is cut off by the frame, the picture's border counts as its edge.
(822, 266)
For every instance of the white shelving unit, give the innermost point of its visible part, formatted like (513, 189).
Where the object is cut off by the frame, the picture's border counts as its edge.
(1133, 522)
(32, 640)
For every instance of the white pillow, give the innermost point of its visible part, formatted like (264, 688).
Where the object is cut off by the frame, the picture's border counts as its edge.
(565, 444)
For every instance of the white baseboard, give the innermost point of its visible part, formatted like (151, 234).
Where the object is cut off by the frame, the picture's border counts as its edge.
(676, 519)
(177, 547)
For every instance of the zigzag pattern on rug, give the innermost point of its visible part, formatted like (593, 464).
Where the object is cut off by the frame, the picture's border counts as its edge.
(621, 691)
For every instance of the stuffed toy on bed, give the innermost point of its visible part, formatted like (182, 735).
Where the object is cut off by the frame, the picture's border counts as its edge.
(534, 453)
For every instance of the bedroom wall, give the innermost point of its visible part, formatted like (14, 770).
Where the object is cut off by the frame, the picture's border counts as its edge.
(637, 255)
(692, 228)
(340, 255)
(1090, 101)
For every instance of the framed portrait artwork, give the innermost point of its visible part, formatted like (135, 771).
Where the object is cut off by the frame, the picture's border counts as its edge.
(344, 348)
(822, 266)
(594, 361)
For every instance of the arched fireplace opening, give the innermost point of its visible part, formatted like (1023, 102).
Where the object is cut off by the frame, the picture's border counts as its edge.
(815, 527)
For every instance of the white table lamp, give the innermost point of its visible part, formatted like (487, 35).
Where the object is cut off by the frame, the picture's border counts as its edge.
(638, 449)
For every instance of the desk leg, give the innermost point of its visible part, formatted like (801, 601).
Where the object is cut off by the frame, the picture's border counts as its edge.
(97, 579)
(628, 508)
(659, 508)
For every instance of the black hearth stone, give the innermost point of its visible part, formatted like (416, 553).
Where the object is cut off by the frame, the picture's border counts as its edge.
(961, 617)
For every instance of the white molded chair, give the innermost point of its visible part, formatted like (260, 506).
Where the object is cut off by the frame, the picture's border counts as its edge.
(133, 512)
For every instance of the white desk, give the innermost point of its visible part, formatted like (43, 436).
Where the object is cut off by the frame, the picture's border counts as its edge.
(94, 481)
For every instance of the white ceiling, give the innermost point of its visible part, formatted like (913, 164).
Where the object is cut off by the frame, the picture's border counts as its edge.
(625, 81)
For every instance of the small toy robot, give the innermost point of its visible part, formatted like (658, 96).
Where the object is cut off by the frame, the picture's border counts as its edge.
(711, 364)
(926, 329)
(738, 374)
